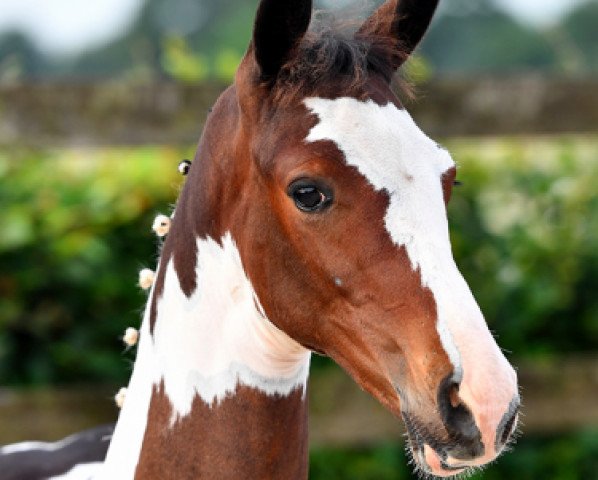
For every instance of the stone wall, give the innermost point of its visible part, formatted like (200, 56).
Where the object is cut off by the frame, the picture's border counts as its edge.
(100, 114)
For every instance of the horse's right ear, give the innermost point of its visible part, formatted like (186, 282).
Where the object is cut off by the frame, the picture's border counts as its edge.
(279, 27)
(403, 21)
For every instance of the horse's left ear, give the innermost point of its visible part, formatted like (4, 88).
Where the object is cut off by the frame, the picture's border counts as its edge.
(404, 21)
(279, 27)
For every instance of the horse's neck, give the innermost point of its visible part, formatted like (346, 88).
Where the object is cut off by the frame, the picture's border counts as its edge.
(217, 390)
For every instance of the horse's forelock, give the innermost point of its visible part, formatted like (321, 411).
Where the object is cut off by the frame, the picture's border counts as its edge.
(331, 58)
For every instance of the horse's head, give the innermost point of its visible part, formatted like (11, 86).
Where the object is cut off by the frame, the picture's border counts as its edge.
(337, 204)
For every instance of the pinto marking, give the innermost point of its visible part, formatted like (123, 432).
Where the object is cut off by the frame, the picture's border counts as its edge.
(220, 337)
(204, 346)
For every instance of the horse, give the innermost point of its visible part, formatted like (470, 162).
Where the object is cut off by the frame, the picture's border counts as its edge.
(313, 220)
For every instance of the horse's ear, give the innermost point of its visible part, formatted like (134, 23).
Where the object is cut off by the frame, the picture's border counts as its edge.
(279, 26)
(404, 21)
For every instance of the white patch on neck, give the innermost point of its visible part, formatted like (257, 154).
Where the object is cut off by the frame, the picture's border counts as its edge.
(205, 346)
(390, 150)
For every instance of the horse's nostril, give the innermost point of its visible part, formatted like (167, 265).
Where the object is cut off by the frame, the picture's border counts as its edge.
(506, 425)
(459, 422)
(454, 396)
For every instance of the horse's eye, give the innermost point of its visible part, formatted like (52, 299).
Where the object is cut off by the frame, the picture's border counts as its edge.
(309, 196)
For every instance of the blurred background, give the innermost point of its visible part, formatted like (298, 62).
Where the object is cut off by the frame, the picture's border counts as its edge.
(99, 101)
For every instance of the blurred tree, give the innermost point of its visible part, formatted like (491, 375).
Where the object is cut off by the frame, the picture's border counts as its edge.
(478, 37)
(19, 58)
(172, 38)
(580, 27)
(181, 63)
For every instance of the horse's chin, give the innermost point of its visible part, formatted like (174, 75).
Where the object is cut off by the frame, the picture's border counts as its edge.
(429, 463)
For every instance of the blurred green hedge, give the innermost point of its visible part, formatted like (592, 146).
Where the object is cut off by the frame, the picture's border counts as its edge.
(567, 457)
(525, 234)
(76, 229)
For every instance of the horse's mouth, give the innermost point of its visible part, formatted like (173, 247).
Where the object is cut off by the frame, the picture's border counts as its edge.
(431, 464)
(427, 453)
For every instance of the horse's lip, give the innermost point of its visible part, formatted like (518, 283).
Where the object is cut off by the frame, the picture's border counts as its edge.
(420, 459)
(417, 444)
(448, 468)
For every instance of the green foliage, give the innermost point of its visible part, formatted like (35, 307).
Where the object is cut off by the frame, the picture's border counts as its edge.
(181, 63)
(570, 457)
(386, 462)
(526, 238)
(179, 39)
(76, 229)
